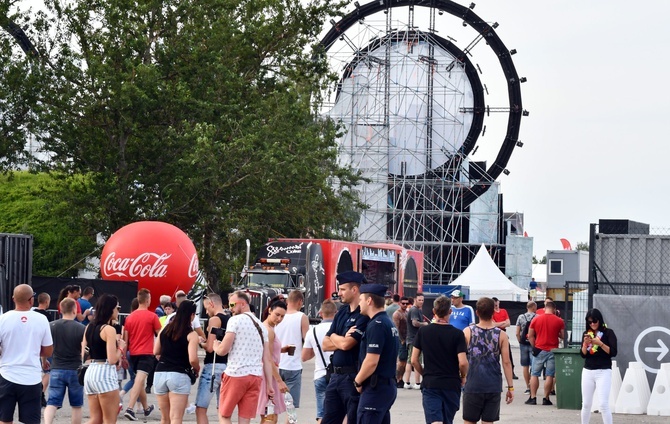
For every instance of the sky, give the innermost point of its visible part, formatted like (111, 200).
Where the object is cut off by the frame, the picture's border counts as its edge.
(594, 143)
(597, 92)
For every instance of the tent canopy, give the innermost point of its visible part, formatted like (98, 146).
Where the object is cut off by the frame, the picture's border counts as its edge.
(486, 280)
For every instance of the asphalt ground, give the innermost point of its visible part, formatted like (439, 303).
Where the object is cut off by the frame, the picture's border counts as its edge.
(407, 407)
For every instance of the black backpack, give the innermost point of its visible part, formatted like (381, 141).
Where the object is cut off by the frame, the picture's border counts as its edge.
(524, 331)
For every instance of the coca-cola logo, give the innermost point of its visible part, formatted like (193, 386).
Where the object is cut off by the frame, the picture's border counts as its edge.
(193, 266)
(147, 264)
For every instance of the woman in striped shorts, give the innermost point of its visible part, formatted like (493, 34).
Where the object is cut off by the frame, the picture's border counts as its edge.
(100, 383)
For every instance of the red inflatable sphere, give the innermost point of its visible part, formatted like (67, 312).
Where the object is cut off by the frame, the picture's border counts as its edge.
(159, 256)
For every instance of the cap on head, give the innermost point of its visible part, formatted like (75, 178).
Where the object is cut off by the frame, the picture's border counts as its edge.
(456, 293)
(352, 277)
(377, 289)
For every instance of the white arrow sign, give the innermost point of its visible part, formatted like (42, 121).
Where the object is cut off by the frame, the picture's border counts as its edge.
(662, 349)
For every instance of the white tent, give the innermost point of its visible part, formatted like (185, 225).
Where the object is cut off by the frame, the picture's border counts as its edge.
(486, 280)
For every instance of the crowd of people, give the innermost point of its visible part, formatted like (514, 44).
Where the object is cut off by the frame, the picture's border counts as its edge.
(365, 351)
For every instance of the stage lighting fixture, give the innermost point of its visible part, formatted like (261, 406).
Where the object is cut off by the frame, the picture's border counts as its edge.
(472, 5)
(506, 171)
(357, 4)
(519, 143)
(523, 79)
(512, 52)
(332, 22)
(465, 24)
(525, 112)
(495, 25)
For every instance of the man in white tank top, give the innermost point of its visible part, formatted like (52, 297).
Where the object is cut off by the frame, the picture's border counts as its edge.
(291, 333)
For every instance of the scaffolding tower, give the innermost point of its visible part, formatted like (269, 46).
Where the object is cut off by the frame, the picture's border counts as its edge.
(412, 106)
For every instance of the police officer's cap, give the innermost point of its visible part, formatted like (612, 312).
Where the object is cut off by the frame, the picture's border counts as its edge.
(351, 277)
(377, 289)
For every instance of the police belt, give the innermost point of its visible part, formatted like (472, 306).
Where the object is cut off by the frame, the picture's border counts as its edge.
(345, 370)
(374, 381)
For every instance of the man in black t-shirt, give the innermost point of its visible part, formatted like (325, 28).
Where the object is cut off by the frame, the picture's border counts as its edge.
(67, 335)
(213, 368)
(43, 301)
(445, 364)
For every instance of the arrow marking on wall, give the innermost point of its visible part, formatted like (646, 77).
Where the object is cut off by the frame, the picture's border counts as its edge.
(662, 349)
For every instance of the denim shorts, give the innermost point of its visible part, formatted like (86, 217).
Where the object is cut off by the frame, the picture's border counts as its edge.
(61, 380)
(170, 381)
(204, 396)
(526, 352)
(543, 358)
(293, 379)
(403, 352)
(320, 389)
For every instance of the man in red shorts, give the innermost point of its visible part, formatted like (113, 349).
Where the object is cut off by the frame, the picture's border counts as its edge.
(249, 359)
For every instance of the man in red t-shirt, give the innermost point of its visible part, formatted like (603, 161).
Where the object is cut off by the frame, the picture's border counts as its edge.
(139, 330)
(544, 332)
(502, 321)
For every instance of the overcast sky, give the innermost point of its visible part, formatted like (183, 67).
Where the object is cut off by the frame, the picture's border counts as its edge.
(597, 92)
(594, 143)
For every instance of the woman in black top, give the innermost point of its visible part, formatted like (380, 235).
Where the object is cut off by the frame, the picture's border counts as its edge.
(177, 349)
(599, 346)
(100, 382)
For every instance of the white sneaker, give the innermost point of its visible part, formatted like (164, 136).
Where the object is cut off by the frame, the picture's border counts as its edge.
(416, 386)
(408, 386)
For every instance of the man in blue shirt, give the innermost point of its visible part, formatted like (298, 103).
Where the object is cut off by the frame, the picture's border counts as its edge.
(343, 339)
(461, 315)
(85, 302)
(379, 350)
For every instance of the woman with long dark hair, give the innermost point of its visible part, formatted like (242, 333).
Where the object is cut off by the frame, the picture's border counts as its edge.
(274, 314)
(100, 383)
(177, 346)
(599, 346)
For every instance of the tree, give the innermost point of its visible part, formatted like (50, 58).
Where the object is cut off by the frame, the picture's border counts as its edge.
(200, 114)
(32, 204)
(583, 246)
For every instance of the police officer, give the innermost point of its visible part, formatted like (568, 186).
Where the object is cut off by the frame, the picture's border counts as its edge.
(344, 339)
(379, 349)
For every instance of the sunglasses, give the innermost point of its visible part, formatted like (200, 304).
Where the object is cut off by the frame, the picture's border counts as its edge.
(592, 321)
(405, 303)
(231, 305)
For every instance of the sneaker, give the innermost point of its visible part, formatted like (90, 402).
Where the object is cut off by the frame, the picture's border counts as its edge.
(526, 392)
(514, 377)
(408, 386)
(416, 386)
(531, 401)
(120, 408)
(400, 384)
(553, 393)
(546, 401)
(148, 411)
(130, 414)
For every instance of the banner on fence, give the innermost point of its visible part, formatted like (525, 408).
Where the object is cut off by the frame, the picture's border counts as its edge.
(642, 327)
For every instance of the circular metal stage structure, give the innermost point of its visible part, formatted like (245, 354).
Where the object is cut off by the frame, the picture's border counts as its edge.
(414, 105)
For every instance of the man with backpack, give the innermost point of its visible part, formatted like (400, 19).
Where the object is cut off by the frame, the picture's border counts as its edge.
(525, 349)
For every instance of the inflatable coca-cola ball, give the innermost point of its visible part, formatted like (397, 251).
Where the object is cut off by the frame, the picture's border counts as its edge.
(158, 255)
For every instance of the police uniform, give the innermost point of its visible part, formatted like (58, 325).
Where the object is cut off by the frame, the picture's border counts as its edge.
(341, 397)
(379, 391)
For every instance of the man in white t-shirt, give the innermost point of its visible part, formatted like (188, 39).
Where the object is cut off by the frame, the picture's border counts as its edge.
(249, 359)
(25, 337)
(291, 332)
(313, 347)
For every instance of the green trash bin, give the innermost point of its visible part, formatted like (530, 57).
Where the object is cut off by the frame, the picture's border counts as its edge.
(569, 365)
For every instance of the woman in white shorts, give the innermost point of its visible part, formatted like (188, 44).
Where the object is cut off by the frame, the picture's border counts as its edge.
(101, 381)
(177, 349)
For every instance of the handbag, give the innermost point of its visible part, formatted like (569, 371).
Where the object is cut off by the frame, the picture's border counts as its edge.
(81, 373)
(192, 375)
(329, 367)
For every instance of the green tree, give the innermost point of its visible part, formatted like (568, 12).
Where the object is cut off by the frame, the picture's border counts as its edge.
(200, 114)
(32, 204)
(583, 246)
